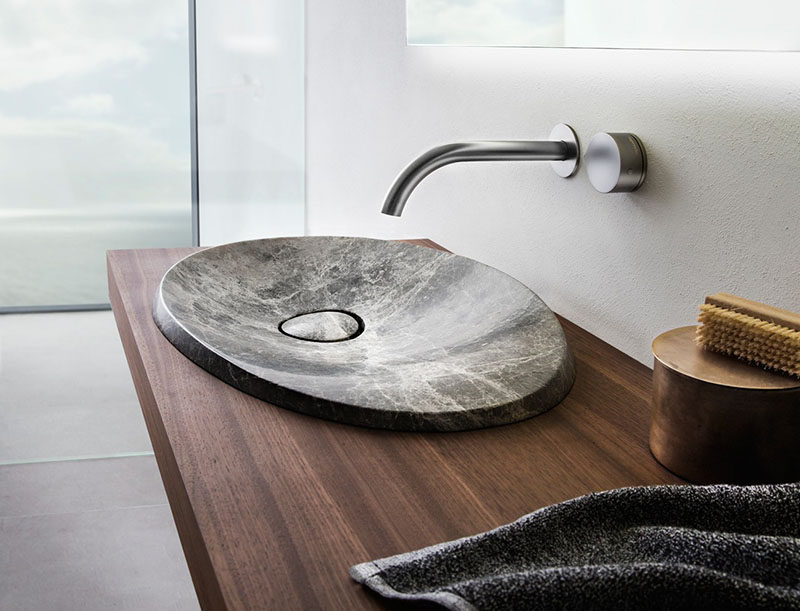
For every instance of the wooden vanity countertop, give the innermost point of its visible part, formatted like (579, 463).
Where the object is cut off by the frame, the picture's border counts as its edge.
(273, 507)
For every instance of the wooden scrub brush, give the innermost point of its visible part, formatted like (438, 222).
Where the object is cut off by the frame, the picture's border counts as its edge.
(760, 334)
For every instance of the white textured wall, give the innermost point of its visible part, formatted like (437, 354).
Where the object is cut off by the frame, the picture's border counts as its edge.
(720, 209)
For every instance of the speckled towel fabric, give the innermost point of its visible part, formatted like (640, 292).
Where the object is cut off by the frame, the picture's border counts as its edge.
(658, 547)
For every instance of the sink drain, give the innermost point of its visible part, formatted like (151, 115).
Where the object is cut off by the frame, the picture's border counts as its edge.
(323, 326)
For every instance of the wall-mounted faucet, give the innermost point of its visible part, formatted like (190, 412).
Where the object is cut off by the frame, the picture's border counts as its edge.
(615, 162)
(562, 149)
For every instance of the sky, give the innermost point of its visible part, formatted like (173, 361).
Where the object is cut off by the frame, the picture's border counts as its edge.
(94, 104)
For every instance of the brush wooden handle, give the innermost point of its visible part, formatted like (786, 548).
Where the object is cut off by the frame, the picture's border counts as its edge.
(785, 318)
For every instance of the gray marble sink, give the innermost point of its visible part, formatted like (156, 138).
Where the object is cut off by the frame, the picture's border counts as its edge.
(367, 332)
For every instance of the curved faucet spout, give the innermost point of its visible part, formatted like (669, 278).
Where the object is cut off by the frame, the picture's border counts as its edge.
(497, 150)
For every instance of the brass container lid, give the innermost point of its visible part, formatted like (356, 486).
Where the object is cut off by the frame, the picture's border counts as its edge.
(677, 350)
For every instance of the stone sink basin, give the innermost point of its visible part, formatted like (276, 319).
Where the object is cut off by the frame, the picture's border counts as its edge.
(367, 332)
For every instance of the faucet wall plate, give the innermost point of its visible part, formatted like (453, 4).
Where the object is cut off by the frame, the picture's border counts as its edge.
(616, 162)
(566, 134)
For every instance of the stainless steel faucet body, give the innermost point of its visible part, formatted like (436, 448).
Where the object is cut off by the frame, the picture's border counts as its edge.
(487, 150)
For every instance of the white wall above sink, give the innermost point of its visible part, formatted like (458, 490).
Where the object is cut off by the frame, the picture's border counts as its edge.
(720, 209)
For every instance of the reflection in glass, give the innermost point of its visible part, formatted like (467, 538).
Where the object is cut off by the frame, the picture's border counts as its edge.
(513, 23)
(646, 24)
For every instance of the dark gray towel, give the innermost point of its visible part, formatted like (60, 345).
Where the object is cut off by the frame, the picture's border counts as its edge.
(658, 547)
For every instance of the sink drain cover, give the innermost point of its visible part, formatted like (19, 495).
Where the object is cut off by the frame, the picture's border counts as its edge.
(323, 326)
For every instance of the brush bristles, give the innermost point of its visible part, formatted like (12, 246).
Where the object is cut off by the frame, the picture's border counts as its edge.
(751, 339)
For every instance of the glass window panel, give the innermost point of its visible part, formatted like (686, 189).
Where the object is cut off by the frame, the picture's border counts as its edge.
(94, 142)
(251, 119)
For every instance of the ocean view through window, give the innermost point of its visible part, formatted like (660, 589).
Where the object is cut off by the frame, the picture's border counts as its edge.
(94, 143)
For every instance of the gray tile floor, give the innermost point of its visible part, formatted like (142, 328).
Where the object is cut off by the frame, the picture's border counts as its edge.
(84, 521)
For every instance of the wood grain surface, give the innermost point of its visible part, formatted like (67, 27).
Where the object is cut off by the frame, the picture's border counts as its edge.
(272, 506)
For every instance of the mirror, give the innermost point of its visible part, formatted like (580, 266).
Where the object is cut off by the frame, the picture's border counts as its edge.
(769, 25)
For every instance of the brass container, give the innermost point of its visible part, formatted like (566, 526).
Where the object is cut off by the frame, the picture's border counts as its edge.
(718, 420)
